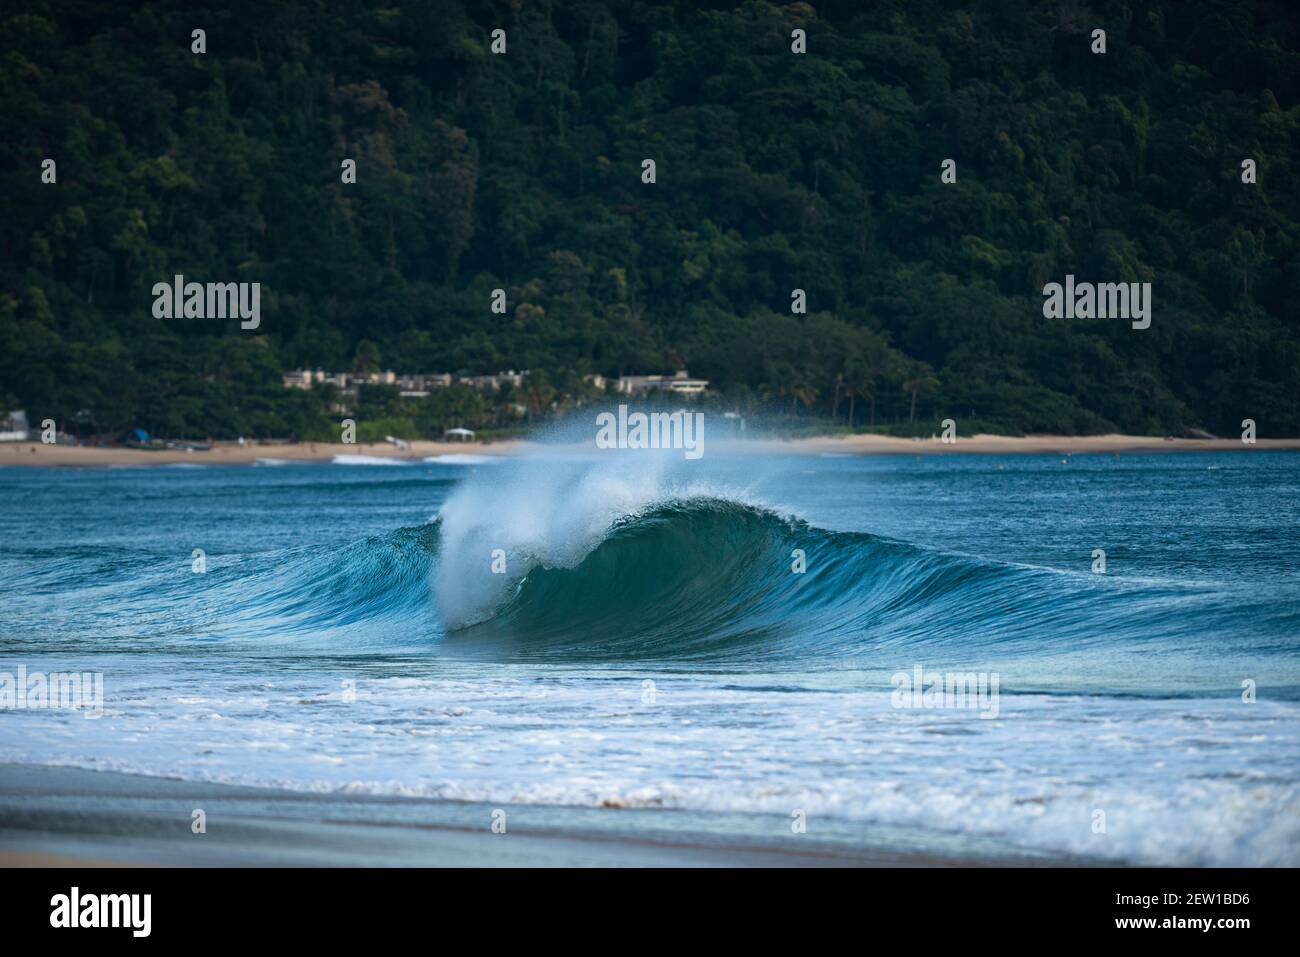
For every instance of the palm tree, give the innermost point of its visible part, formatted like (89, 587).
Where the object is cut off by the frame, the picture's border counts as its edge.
(539, 393)
(865, 371)
(796, 383)
(835, 400)
(919, 378)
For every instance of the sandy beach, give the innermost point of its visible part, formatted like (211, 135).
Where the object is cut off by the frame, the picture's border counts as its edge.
(231, 453)
(60, 817)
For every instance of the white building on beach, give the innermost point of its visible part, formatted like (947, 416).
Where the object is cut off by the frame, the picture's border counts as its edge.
(13, 426)
(679, 384)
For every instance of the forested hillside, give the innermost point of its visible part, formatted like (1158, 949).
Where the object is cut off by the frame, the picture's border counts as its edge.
(774, 171)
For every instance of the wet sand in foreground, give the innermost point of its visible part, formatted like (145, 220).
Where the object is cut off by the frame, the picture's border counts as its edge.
(61, 817)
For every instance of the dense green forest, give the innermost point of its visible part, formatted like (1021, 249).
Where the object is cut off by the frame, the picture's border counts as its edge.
(774, 171)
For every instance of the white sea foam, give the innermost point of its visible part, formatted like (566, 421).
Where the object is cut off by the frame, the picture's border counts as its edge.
(1191, 782)
(370, 460)
(463, 458)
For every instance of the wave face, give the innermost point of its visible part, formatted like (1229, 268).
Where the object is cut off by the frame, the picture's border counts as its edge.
(701, 576)
(578, 561)
(716, 579)
(719, 578)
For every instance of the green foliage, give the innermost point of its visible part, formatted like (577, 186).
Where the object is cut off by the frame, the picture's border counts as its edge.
(775, 172)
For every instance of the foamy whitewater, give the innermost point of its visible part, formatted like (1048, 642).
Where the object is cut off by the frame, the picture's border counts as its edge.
(623, 628)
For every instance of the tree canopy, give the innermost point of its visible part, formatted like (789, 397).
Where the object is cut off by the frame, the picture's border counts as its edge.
(775, 171)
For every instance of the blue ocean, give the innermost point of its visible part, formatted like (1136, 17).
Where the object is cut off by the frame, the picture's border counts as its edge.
(736, 638)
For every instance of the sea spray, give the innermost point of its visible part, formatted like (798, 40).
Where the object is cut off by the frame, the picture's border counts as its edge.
(547, 509)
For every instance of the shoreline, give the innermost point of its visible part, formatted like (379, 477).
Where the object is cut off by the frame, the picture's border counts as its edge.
(304, 453)
(985, 444)
(56, 816)
(232, 453)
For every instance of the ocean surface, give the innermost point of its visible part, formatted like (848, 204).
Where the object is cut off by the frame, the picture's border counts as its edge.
(628, 630)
